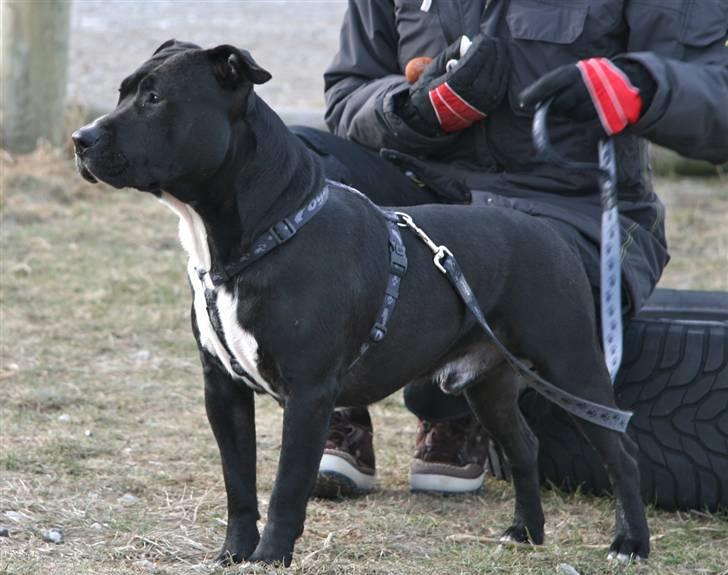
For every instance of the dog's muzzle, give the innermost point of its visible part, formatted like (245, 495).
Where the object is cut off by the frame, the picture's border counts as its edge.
(96, 159)
(83, 170)
(83, 139)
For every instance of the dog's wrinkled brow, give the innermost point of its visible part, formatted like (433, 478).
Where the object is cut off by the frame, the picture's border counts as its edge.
(131, 82)
(127, 83)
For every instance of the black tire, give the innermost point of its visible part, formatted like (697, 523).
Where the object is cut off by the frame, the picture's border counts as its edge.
(674, 377)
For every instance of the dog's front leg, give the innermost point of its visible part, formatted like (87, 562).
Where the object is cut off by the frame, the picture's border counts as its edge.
(231, 411)
(307, 411)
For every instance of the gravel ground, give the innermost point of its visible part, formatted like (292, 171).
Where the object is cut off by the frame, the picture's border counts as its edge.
(111, 38)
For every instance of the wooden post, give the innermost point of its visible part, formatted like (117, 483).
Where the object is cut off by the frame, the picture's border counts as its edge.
(33, 71)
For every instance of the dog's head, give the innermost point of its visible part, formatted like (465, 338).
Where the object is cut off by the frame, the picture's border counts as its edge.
(174, 119)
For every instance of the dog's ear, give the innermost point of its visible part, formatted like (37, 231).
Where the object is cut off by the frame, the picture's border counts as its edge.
(233, 66)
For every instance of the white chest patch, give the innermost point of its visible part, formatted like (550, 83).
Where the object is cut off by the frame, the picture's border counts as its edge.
(239, 344)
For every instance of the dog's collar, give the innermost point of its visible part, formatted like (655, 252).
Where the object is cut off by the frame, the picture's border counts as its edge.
(279, 233)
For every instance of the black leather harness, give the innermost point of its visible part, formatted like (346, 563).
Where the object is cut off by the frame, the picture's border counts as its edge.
(280, 233)
(444, 260)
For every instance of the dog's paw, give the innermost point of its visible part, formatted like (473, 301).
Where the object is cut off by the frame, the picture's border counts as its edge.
(227, 558)
(236, 552)
(626, 549)
(519, 533)
(280, 559)
(270, 555)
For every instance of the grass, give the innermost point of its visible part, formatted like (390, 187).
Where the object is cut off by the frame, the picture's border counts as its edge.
(104, 433)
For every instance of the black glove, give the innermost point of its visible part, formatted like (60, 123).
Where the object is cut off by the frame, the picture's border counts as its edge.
(445, 100)
(595, 88)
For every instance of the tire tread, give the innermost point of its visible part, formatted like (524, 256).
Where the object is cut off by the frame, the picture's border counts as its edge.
(674, 378)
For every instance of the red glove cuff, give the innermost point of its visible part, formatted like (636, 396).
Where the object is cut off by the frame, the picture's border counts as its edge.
(617, 101)
(453, 113)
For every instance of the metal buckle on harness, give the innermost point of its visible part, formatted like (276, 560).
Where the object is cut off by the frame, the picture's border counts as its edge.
(282, 231)
(397, 262)
(217, 277)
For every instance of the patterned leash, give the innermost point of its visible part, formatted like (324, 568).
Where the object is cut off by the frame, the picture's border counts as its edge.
(444, 260)
(610, 251)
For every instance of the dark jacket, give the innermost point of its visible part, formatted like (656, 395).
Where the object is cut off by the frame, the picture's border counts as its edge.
(682, 43)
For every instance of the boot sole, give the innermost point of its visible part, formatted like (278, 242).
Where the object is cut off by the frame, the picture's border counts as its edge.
(445, 484)
(338, 479)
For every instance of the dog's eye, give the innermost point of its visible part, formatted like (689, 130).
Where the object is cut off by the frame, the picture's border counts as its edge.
(153, 98)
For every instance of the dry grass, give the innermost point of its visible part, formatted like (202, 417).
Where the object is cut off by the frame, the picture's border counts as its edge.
(104, 433)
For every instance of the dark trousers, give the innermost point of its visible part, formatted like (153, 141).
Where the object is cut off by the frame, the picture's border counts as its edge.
(363, 169)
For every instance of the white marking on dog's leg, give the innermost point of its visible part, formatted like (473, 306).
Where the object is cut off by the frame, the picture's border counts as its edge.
(507, 539)
(241, 343)
(622, 557)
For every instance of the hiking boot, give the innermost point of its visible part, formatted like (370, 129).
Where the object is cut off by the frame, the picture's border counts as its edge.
(449, 457)
(347, 465)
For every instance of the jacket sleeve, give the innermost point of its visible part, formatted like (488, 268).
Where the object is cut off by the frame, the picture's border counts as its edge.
(364, 81)
(683, 47)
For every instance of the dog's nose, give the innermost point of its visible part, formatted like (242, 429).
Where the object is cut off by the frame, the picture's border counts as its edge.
(85, 137)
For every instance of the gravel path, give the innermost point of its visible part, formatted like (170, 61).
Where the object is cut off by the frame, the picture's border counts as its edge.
(293, 39)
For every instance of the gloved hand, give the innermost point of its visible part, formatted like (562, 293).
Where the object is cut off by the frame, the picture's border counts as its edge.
(449, 100)
(595, 88)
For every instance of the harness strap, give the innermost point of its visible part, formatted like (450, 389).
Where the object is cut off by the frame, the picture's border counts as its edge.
(279, 233)
(283, 231)
(445, 261)
(397, 270)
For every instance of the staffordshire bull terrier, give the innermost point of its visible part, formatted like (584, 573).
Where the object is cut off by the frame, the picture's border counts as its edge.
(295, 322)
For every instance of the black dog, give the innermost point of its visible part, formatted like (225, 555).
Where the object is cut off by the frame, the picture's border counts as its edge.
(189, 128)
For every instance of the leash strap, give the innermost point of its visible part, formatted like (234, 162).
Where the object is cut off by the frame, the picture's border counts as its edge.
(610, 285)
(277, 234)
(445, 261)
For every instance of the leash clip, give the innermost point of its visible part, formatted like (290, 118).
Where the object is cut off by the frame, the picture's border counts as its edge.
(439, 252)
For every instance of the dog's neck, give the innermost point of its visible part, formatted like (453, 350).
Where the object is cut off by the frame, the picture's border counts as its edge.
(268, 174)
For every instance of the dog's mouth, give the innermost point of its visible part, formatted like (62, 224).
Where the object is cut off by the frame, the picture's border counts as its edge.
(84, 171)
(101, 166)
(111, 175)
